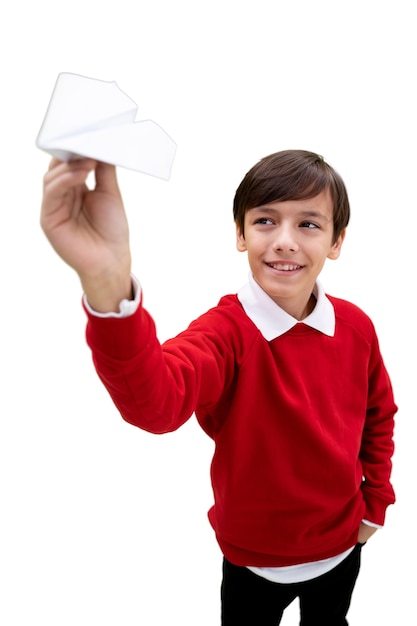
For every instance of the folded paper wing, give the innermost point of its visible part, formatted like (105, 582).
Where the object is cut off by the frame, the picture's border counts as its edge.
(93, 118)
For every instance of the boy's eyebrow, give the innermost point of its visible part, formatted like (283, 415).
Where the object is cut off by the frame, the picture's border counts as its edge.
(303, 213)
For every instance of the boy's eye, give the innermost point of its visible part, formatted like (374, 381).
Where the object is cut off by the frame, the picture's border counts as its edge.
(263, 220)
(307, 224)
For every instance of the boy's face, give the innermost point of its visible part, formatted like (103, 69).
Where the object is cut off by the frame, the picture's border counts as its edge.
(287, 244)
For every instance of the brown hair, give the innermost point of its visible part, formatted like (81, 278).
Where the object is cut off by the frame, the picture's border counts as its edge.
(291, 175)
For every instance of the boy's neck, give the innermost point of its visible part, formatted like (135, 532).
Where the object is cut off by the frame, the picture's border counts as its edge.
(310, 306)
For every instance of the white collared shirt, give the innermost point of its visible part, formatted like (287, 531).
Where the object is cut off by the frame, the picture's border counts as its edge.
(273, 321)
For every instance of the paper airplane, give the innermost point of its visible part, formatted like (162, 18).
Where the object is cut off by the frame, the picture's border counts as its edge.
(92, 118)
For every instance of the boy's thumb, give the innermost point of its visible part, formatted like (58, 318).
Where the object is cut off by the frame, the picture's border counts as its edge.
(106, 178)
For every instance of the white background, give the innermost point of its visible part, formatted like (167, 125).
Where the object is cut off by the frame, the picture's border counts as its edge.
(101, 523)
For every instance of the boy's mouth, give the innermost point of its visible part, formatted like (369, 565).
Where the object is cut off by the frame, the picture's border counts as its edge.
(285, 267)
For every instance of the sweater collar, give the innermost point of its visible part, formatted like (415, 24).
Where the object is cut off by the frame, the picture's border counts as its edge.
(273, 321)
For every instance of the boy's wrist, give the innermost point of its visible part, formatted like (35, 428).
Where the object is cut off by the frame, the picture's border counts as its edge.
(105, 294)
(126, 307)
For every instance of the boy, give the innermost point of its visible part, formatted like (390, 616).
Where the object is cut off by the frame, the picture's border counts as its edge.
(288, 382)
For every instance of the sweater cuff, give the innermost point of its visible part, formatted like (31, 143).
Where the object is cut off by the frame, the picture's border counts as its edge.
(120, 338)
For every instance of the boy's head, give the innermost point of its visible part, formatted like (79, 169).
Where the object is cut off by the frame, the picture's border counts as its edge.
(291, 175)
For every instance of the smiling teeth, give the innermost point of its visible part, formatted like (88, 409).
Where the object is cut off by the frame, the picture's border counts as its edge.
(287, 267)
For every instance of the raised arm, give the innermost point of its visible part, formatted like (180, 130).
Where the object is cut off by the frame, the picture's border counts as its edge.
(88, 229)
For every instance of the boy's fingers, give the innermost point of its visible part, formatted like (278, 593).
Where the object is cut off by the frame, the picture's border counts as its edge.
(57, 167)
(61, 176)
(53, 163)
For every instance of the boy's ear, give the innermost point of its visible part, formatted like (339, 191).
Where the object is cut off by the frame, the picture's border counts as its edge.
(240, 240)
(337, 246)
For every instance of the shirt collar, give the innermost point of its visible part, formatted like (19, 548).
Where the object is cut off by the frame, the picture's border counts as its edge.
(273, 321)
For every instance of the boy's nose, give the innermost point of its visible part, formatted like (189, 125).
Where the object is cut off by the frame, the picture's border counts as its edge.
(285, 240)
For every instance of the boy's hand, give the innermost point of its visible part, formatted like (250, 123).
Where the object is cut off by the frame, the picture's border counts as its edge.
(89, 229)
(365, 532)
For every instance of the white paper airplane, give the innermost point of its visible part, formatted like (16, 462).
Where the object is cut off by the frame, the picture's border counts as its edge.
(92, 118)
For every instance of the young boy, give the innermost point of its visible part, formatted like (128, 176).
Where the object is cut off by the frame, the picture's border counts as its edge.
(289, 382)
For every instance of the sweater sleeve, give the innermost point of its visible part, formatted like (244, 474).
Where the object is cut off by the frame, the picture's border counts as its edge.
(377, 441)
(158, 387)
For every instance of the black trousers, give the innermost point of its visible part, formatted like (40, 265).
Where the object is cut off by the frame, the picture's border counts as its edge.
(250, 600)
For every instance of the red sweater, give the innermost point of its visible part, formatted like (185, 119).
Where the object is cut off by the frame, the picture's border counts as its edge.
(302, 424)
